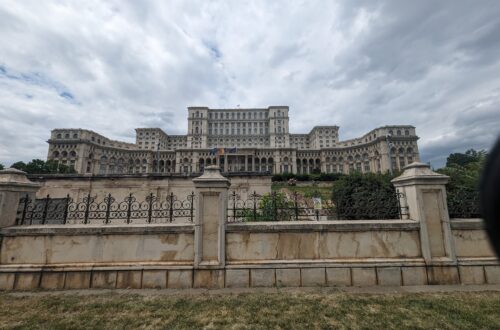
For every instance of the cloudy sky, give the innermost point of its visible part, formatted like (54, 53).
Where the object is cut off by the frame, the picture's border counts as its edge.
(115, 66)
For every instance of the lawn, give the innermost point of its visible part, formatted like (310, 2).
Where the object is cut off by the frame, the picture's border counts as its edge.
(282, 310)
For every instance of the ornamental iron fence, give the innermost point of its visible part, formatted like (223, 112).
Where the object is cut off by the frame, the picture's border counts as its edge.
(106, 211)
(278, 206)
(463, 203)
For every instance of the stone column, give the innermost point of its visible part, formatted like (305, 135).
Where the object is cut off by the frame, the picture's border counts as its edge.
(253, 163)
(211, 209)
(425, 195)
(246, 163)
(13, 186)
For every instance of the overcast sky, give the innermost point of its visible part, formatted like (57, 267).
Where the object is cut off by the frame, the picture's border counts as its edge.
(117, 66)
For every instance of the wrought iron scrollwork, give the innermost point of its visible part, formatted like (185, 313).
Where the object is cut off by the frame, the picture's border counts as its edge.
(90, 210)
(278, 206)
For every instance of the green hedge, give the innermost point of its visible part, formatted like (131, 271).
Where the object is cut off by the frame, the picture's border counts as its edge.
(365, 196)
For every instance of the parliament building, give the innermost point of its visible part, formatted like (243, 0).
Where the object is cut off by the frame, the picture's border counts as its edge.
(237, 140)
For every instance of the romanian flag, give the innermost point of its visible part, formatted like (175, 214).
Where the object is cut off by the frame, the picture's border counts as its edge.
(220, 151)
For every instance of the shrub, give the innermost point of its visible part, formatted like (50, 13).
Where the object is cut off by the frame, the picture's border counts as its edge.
(365, 196)
(270, 207)
(302, 177)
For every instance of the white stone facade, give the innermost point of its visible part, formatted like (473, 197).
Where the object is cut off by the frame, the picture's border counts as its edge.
(261, 137)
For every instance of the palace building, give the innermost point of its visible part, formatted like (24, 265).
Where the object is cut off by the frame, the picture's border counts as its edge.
(238, 140)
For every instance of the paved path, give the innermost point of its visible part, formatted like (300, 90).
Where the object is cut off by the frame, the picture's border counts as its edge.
(354, 290)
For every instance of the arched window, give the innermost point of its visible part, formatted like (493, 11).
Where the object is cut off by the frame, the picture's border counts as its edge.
(103, 162)
(72, 153)
(398, 132)
(112, 163)
(59, 136)
(119, 168)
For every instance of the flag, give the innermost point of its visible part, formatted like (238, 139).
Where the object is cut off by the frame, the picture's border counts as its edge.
(230, 150)
(220, 151)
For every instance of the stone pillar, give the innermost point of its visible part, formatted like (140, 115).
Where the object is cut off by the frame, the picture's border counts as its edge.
(211, 193)
(246, 163)
(253, 163)
(425, 194)
(13, 186)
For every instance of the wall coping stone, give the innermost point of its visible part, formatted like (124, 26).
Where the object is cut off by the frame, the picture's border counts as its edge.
(471, 224)
(314, 226)
(419, 174)
(80, 229)
(11, 178)
(212, 176)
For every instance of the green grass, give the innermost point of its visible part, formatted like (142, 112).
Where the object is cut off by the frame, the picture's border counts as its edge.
(284, 310)
(306, 191)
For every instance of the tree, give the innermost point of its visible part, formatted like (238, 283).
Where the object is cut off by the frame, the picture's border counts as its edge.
(464, 169)
(1, 166)
(19, 165)
(38, 166)
(462, 190)
(463, 159)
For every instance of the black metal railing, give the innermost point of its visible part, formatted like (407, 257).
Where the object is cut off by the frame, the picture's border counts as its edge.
(463, 203)
(278, 206)
(106, 211)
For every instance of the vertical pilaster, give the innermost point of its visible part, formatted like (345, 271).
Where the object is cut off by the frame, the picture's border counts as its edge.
(211, 193)
(425, 194)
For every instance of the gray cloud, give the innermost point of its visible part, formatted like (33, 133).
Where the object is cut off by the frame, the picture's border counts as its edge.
(115, 66)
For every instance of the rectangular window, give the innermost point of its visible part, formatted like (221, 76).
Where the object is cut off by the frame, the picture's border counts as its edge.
(367, 167)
